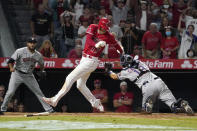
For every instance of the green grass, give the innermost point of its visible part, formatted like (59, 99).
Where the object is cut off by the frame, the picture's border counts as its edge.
(187, 122)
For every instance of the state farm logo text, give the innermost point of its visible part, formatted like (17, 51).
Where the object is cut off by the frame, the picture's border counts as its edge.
(48, 64)
(159, 64)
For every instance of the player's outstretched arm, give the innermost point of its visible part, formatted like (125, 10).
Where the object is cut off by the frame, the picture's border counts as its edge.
(108, 67)
(113, 75)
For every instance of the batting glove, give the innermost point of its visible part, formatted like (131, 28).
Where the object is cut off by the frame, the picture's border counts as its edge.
(100, 44)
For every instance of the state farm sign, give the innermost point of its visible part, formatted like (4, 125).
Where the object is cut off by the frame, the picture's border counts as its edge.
(159, 64)
(189, 64)
(182, 64)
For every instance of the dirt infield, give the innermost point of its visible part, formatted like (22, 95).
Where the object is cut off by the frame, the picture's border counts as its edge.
(110, 114)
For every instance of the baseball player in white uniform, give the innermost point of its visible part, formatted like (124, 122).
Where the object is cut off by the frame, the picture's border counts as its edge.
(97, 36)
(151, 85)
(25, 59)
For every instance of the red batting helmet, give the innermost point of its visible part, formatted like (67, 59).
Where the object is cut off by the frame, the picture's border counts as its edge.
(104, 24)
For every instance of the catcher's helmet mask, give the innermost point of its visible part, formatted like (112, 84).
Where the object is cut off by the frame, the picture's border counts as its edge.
(126, 60)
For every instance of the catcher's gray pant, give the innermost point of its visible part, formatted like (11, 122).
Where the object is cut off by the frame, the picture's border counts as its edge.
(157, 89)
(16, 79)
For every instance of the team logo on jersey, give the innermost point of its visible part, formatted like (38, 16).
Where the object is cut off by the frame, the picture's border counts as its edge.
(186, 64)
(29, 59)
(67, 63)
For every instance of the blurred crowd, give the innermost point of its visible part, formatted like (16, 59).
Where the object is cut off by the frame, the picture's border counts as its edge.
(152, 29)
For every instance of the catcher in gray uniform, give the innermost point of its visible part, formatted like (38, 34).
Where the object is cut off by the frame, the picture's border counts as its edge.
(151, 85)
(25, 59)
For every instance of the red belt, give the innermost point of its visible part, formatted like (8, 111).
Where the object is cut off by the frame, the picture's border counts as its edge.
(88, 56)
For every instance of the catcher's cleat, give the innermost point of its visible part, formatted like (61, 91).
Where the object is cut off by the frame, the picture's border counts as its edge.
(98, 105)
(50, 101)
(187, 108)
(178, 110)
(149, 106)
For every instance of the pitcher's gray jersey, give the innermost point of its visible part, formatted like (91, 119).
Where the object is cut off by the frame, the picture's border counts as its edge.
(133, 73)
(25, 60)
(24, 64)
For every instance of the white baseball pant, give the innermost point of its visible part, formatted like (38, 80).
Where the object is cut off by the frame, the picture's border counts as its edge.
(80, 74)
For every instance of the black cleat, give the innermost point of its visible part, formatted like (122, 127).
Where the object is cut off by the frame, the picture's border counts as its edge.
(188, 110)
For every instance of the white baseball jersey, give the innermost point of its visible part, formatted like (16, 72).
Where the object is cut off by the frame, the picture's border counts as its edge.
(25, 60)
(186, 43)
(133, 74)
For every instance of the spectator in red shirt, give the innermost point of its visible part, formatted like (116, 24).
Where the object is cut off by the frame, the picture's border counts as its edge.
(158, 2)
(100, 93)
(105, 3)
(177, 9)
(76, 52)
(169, 44)
(151, 43)
(123, 100)
(137, 51)
(47, 50)
(86, 15)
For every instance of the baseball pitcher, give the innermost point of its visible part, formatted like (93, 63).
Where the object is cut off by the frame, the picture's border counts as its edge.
(151, 85)
(21, 64)
(97, 36)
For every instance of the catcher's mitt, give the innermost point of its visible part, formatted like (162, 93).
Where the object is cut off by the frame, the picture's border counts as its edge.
(108, 67)
(41, 75)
